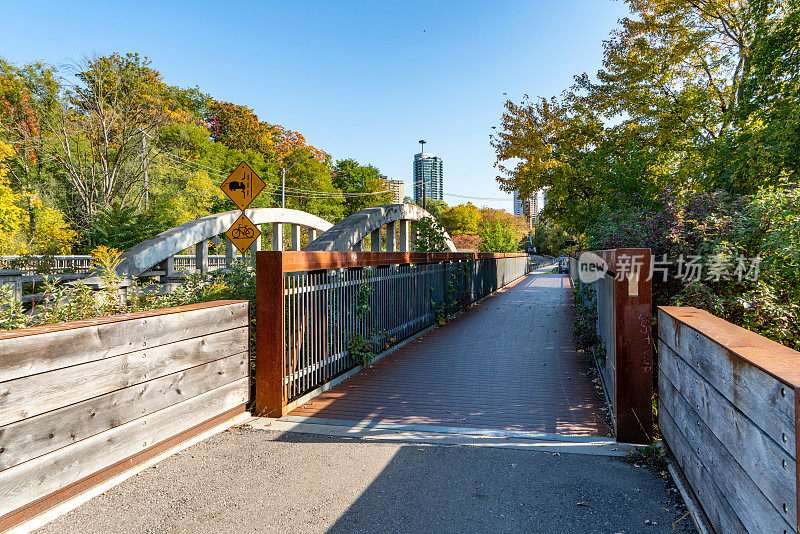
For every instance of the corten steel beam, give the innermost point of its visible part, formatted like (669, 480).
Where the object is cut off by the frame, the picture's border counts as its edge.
(633, 300)
(313, 261)
(634, 323)
(270, 400)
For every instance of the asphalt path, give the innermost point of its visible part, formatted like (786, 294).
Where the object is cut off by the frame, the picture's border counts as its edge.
(248, 480)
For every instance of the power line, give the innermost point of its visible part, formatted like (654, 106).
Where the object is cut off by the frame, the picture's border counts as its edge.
(305, 192)
(312, 192)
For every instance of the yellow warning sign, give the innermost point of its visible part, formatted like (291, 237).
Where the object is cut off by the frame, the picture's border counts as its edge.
(243, 233)
(243, 185)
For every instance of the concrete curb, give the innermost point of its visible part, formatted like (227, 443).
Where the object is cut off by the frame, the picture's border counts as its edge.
(518, 434)
(598, 447)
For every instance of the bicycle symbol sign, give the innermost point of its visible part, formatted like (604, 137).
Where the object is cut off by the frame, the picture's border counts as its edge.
(243, 233)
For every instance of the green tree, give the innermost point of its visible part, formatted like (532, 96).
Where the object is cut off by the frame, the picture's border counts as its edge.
(349, 176)
(437, 208)
(308, 176)
(497, 237)
(120, 227)
(461, 220)
(514, 223)
(428, 236)
(101, 128)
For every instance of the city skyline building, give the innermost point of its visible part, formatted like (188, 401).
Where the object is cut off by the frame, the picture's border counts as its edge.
(398, 187)
(428, 176)
(530, 207)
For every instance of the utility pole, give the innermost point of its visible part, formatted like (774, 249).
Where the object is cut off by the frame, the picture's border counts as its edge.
(283, 180)
(144, 165)
(424, 188)
(283, 187)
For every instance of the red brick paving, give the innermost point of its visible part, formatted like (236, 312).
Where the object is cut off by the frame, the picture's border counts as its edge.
(509, 364)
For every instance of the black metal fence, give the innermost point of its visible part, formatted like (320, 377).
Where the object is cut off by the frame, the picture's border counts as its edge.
(338, 319)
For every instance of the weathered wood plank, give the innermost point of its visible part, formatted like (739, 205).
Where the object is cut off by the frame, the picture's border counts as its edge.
(33, 437)
(716, 507)
(768, 465)
(756, 512)
(55, 348)
(39, 477)
(40, 393)
(770, 356)
(760, 396)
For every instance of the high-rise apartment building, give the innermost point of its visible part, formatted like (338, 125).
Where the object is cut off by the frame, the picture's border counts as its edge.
(398, 187)
(531, 207)
(428, 176)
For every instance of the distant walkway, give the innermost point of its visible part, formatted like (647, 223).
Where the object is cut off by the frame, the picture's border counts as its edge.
(508, 364)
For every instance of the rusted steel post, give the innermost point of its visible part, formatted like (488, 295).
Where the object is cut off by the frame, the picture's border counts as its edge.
(270, 400)
(634, 346)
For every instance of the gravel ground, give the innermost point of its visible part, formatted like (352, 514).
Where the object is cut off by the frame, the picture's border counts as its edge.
(247, 480)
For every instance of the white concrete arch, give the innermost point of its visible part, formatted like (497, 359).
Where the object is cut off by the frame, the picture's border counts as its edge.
(349, 233)
(165, 245)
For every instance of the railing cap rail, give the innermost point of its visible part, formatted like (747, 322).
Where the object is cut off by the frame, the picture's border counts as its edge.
(293, 261)
(773, 358)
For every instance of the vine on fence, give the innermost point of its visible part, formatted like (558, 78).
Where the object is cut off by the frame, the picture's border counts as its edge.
(584, 298)
(359, 346)
(450, 300)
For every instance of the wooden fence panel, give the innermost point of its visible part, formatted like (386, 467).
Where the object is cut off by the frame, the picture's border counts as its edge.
(703, 482)
(30, 438)
(727, 412)
(767, 401)
(80, 401)
(39, 477)
(46, 348)
(770, 467)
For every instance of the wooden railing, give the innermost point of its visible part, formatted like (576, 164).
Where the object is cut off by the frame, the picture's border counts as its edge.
(624, 326)
(729, 411)
(318, 311)
(82, 402)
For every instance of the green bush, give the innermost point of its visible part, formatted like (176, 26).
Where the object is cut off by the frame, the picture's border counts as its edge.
(721, 227)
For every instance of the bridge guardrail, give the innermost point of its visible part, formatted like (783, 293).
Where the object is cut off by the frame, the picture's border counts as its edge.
(318, 312)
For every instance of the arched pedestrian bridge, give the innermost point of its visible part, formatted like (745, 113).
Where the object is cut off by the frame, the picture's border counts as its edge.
(157, 256)
(161, 249)
(351, 233)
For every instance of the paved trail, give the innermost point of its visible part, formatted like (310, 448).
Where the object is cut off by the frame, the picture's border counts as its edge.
(264, 481)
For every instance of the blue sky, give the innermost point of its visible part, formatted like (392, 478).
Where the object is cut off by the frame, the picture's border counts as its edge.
(358, 79)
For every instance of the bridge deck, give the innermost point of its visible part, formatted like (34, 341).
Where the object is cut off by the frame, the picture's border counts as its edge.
(508, 364)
